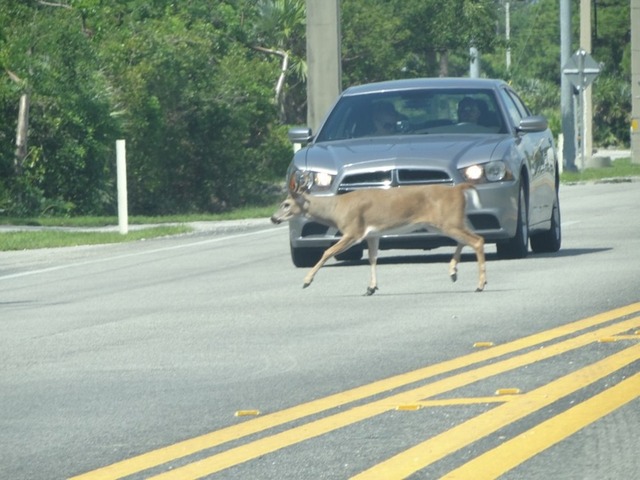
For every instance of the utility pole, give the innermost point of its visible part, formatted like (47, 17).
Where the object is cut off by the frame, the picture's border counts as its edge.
(635, 81)
(586, 135)
(566, 90)
(324, 71)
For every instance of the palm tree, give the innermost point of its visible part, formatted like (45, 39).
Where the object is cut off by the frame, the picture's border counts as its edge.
(280, 31)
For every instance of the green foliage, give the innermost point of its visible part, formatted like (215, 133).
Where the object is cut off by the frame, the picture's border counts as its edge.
(191, 86)
(535, 70)
(177, 81)
(67, 164)
(364, 57)
(441, 33)
(611, 111)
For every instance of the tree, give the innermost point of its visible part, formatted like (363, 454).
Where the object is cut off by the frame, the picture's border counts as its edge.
(65, 166)
(279, 30)
(365, 58)
(536, 69)
(439, 30)
(196, 107)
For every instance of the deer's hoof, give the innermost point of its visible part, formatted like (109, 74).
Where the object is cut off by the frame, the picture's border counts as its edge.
(371, 291)
(305, 285)
(454, 277)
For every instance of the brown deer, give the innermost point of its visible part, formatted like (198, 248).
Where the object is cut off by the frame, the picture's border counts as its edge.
(369, 213)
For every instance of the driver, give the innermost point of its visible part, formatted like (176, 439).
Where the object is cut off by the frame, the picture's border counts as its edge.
(385, 118)
(468, 111)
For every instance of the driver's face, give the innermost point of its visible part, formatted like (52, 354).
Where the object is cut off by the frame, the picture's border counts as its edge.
(469, 112)
(384, 123)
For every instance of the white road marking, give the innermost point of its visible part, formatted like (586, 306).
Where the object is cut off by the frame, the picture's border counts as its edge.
(136, 254)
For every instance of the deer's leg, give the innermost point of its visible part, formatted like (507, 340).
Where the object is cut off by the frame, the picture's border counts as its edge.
(453, 264)
(466, 237)
(342, 244)
(372, 248)
(478, 246)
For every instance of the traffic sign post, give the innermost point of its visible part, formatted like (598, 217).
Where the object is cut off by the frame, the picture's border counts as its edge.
(581, 70)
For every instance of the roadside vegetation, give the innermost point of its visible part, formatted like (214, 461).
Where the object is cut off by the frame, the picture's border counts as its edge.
(619, 170)
(204, 92)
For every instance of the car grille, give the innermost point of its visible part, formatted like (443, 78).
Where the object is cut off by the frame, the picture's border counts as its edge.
(393, 178)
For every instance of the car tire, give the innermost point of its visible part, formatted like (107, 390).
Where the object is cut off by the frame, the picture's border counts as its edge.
(517, 246)
(305, 257)
(549, 241)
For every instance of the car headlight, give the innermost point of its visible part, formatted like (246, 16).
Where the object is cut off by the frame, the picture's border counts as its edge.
(487, 172)
(317, 181)
(322, 180)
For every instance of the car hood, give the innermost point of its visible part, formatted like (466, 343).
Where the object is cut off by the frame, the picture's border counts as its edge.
(443, 151)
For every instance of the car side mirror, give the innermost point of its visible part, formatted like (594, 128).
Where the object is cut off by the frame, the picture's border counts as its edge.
(300, 135)
(534, 123)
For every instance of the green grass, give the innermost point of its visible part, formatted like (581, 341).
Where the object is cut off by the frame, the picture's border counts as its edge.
(622, 168)
(55, 238)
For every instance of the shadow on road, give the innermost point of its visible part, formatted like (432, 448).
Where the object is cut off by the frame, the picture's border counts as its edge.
(429, 258)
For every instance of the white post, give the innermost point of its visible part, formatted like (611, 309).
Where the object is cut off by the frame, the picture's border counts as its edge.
(587, 102)
(507, 34)
(474, 62)
(121, 167)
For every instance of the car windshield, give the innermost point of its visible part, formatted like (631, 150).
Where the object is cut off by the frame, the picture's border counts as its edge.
(411, 112)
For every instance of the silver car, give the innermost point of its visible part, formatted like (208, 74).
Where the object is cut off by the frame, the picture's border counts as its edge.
(435, 131)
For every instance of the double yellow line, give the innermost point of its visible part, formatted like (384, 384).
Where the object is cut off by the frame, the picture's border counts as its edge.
(414, 459)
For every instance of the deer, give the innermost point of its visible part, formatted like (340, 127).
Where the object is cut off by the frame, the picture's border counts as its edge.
(366, 214)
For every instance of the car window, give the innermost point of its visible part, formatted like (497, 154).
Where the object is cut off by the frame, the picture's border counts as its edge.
(515, 106)
(411, 112)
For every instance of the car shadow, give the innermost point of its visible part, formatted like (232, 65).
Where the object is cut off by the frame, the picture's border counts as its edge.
(572, 252)
(431, 258)
(409, 259)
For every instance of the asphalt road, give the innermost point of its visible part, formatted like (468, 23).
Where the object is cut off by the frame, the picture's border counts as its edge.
(201, 356)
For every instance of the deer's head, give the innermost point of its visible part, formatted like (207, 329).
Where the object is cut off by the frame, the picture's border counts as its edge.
(293, 205)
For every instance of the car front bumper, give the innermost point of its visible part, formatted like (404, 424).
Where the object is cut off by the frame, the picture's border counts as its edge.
(496, 220)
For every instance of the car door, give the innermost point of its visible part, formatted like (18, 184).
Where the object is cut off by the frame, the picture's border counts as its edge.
(537, 150)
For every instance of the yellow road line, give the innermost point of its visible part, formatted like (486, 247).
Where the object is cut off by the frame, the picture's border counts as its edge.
(252, 450)
(448, 402)
(627, 337)
(424, 454)
(219, 437)
(510, 454)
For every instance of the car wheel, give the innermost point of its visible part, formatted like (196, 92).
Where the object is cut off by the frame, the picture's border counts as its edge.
(549, 241)
(518, 246)
(305, 257)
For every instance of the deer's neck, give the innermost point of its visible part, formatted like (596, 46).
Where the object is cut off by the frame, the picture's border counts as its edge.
(321, 209)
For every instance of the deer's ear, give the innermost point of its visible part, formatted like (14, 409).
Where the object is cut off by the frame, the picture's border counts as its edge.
(293, 182)
(299, 182)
